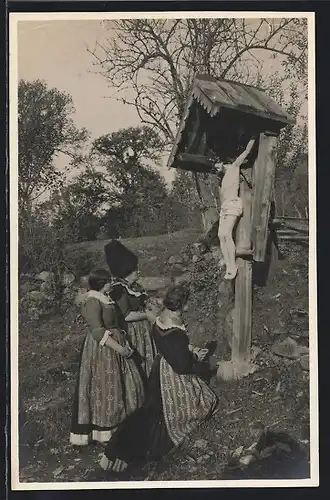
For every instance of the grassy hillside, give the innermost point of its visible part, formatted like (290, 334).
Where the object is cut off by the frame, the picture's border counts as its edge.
(153, 251)
(277, 394)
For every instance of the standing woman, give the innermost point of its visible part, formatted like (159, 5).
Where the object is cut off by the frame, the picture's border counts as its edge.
(109, 386)
(131, 300)
(177, 397)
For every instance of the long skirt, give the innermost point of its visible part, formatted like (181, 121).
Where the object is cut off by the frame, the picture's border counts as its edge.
(173, 408)
(139, 334)
(109, 388)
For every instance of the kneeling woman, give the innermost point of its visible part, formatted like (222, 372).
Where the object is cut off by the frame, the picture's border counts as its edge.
(109, 386)
(177, 398)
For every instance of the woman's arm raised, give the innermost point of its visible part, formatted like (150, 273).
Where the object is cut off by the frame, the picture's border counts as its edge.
(135, 316)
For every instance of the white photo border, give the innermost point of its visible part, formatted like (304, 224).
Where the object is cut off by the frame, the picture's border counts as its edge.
(16, 485)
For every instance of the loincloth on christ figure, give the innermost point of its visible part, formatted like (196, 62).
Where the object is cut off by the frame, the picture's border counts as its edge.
(233, 206)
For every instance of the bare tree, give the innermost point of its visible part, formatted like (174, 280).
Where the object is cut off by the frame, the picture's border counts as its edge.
(157, 59)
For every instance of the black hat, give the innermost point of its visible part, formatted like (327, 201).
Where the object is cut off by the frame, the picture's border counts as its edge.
(121, 261)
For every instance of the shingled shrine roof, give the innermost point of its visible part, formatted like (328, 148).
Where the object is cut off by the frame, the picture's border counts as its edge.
(214, 95)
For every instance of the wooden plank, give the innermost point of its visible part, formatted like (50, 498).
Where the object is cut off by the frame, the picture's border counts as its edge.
(249, 98)
(179, 133)
(194, 162)
(243, 232)
(225, 309)
(293, 237)
(294, 219)
(215, 93)
(283, 224)
(192, 134)
(271, 106)
(235, 93)
(242, 322)
(242, 316)
(263, 182)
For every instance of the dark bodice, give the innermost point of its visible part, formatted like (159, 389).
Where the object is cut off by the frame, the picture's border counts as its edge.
(173, 345)
(127, 298)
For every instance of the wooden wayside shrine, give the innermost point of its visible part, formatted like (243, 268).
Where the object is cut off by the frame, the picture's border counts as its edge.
(219, 119)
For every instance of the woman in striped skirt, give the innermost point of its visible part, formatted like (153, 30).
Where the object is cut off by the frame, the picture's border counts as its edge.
(131, 300)
(177, 397)
(109, 386)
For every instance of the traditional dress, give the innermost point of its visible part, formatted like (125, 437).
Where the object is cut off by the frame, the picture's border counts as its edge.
(177, 401)
(132, 298)
(109, 387)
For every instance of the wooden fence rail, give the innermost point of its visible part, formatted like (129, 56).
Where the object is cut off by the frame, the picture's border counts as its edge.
(291, 228)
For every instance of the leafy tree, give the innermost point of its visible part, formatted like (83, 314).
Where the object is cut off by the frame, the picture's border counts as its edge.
(125, 151)
(138, 191)
(184, 201)
(291, 152)
(80, 206)
(45, 129)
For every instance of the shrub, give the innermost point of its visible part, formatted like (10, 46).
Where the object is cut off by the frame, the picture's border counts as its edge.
(41, 247)
(80, 262)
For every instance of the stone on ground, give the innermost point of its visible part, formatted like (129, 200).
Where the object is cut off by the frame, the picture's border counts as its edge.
(36, 296)
(68, 279)
(33, 314)
(46, 287)
(201, 444)
(174, 259)
(289, 348)
(45, 276)
(247, 460)
(183, 278)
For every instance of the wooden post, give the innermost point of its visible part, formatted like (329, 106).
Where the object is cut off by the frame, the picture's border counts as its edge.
(242, 316)
(263, 181)
(243, 233)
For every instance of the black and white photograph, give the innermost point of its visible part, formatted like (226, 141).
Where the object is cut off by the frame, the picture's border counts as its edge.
(163, 322)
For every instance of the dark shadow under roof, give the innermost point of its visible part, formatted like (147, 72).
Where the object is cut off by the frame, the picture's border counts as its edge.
(214, 95)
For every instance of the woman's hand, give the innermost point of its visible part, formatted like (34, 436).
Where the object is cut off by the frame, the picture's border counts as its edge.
(151, 315)
(201, 354)
(126, 351)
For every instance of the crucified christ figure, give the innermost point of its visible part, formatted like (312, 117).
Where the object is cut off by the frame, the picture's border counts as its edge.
(231, 208)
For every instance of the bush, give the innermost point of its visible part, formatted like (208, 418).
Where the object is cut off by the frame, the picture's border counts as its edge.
(80, 262)
(41, 247)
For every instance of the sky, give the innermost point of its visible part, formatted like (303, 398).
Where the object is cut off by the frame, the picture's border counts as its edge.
(56, 51)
